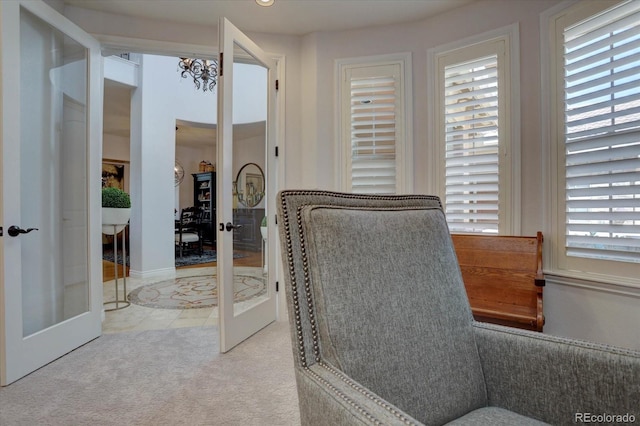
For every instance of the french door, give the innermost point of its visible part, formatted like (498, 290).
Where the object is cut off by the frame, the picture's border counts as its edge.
(245, 194)
(50, 270)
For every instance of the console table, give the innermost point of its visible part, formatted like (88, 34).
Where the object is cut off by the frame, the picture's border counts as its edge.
(248, 237)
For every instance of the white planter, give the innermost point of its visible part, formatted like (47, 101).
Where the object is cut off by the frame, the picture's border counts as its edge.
(111, 216)
(263, 231)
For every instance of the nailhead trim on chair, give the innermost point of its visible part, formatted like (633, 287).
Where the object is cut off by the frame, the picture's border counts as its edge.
(343, 396)
(364, 392)
(307, 288)
(307, 285)
(294, 291)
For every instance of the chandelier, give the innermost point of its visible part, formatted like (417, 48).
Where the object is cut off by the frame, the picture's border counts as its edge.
(203, 71)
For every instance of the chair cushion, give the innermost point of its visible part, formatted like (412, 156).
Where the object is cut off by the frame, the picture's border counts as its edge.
(494, 416)
(187, 238)
(391, 307)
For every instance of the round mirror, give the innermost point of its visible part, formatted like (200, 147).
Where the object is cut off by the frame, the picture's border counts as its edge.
(249, 185)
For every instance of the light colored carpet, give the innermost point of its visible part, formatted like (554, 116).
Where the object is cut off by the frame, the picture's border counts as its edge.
(161, 377)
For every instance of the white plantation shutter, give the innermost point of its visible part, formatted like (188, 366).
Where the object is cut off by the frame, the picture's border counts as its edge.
(374, 129)
(471, 106)
(602, 135)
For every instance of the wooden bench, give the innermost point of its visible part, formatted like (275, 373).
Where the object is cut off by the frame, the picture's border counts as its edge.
(503, 278)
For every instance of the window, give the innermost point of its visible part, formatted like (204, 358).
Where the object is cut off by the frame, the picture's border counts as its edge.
(596, 138)
(475, 135)
(374, 143)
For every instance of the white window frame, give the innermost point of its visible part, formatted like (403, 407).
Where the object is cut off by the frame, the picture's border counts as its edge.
(404, 126)
(509, 120)
(604, 274)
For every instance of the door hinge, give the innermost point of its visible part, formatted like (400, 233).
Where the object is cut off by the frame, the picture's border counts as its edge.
(1, 231)
(277, 84)
(277, 151)
(275, 216)
(221, 64)
(277, 286)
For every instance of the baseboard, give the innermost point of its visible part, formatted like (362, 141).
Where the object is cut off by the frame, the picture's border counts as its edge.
(155, 273)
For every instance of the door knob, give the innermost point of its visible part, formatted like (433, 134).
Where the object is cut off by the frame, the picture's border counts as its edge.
(230, 226)
(14, 231)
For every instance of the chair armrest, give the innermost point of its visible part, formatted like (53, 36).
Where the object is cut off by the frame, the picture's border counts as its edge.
(328, 396)
(555, 379)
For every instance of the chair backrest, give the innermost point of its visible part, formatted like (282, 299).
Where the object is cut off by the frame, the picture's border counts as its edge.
(190, 219)
(374, 290)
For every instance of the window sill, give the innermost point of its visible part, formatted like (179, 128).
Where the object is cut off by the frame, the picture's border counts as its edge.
(605, 283)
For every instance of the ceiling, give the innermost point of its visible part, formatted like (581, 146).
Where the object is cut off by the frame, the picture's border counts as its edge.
(291, 17)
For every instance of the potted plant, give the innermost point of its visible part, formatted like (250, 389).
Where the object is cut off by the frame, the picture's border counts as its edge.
(263, 228)
(116, 210)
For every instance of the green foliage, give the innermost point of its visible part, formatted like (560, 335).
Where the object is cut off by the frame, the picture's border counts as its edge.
(264, 221)
(115, 198)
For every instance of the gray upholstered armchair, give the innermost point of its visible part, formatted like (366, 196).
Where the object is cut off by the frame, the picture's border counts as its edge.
(383, 332)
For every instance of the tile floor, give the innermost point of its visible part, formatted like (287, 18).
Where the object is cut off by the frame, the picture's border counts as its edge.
(136, 318)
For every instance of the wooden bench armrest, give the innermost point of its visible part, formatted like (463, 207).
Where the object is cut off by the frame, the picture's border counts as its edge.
(539, 280)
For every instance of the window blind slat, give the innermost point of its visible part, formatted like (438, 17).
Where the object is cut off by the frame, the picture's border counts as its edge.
(471, 106)
(471, 133)
(595, 216)
(486, 123)
(464, 67)
(617, 178)
(373, 81)
(455, 186)
(476, 159)
(453, 96)
(633, 203)
(483, 171)
(606, 156)
(599, 168)
(472, 148)
(611, 243)
(471, 216)
(596, 191)
(460, 198)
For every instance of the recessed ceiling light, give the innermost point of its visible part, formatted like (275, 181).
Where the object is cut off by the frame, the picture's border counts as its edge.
(265, 3)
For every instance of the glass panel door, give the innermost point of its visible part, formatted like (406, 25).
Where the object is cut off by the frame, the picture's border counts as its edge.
(245, 115)
(50, 306)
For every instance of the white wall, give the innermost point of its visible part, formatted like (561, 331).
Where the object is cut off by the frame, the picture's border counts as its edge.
(310, 128)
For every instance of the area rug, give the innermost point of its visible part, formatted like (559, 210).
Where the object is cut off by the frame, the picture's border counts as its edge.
(186, 260)
(200, 291)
